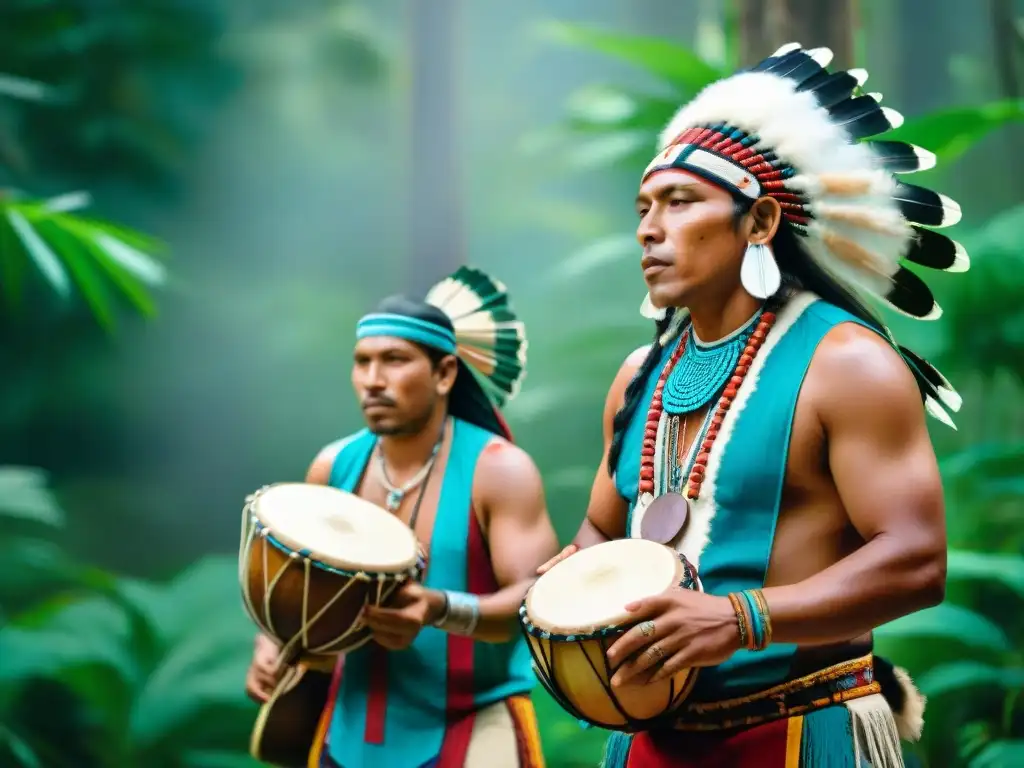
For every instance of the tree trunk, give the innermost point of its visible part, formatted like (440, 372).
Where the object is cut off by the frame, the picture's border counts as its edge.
(767, 24)
(434, 202)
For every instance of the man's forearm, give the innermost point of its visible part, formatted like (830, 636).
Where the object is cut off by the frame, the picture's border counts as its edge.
(497, 613)
(588, 535)
(883, 580)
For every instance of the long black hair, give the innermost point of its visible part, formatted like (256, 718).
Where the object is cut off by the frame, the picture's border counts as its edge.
(799, 271)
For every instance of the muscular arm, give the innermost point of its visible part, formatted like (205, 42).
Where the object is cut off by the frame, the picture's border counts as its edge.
(508, 491)
(881, 459)
(607, 510)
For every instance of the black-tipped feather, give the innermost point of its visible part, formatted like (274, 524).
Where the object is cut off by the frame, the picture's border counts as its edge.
(830, 90)
(922, 206)
(910, 294)
(929, 371)
(896, 156)
(935, 251)
(861, 117)
(795, 65)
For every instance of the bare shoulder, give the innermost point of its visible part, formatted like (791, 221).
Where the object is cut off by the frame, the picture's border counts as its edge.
(859, 380)
(504, 468)
(319, 471)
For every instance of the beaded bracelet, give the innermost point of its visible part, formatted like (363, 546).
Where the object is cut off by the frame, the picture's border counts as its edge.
(759, 633)
(764, 615)
(752, 618)
(741, 620)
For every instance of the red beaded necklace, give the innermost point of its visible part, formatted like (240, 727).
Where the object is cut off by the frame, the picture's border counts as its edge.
(693, 483)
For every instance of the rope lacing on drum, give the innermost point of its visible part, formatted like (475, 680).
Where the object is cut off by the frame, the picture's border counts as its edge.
(251, 530)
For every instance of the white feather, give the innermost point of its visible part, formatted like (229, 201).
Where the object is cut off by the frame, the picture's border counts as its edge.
(785, 49)
(860, 75)
(759, 273)
(651, 312)
(925, 159)
(961, 261)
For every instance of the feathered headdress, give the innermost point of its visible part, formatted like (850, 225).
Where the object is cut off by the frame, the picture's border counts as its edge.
(467, 315)
(791, 129)
(489, 338)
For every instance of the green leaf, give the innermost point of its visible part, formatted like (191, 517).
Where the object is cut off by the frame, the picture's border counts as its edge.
(24, 494)
(59, 636)
(83, 268)
(51, 267)
(97, 255)
(212, 759)
(600, 150)
(949, 622)
(1006, 569)
(19, 748)
(595, 256)
(950, 133)
(1000, 754)
(602, 107)
(957, 676)
(205, 671)
(1005, 459)
(660, 57)
(24, 89)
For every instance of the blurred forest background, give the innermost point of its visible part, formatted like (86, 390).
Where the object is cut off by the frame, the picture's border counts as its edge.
(291, 163)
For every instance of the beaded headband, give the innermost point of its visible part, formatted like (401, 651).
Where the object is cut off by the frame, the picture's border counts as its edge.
(790, 129)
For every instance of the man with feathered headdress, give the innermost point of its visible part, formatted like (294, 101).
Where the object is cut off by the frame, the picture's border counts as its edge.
(446, 681)
(774, 433)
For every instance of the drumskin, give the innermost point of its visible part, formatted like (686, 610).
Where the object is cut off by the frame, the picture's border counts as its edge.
(396, 710)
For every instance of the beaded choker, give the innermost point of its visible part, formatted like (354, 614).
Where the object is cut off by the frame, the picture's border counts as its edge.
(703, 369)
(665, 517)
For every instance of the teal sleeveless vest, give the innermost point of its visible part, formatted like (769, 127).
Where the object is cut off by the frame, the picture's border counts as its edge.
(393, 708)
(732, 525)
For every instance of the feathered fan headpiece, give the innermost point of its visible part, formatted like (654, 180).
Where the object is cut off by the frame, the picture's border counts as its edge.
(467, 315)
(489, 338)
(790, 129)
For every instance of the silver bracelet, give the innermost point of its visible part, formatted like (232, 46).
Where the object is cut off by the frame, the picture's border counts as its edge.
(461, 613)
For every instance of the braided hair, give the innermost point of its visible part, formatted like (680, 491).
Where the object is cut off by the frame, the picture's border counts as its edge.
(635, 390)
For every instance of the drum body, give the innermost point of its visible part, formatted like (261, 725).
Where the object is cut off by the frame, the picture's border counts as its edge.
(576, 611)
(311, 557)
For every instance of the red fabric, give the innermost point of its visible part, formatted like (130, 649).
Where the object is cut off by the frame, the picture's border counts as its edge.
(377, 696)
(504, 425)
(763, 746)
(479, 581)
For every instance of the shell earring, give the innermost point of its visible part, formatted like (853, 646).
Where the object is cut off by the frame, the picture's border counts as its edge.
(651, 312)
(759, 273)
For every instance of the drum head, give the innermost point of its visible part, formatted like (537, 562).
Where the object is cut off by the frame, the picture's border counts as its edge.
(588, 592)
(336, 528)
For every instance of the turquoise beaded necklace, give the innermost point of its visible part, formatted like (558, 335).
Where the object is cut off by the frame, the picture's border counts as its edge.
(704, 369)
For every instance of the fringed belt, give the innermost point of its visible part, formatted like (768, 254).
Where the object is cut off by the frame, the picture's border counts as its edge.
(832, 685)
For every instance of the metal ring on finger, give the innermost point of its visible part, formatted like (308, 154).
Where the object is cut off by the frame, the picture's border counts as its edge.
(647, 628)
(655, 652)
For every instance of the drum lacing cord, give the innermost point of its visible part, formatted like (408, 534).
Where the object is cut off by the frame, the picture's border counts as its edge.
(386, 583)
(267, 626)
